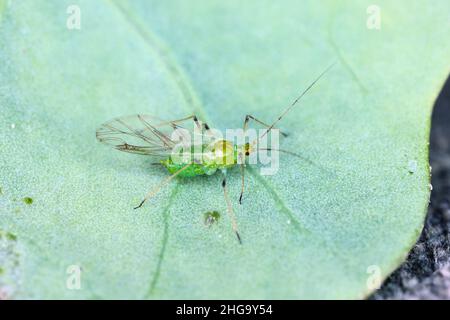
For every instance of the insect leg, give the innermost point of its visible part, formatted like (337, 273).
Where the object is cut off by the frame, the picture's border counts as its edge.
(197, 123)
(207, 128)
(242, 158)
(242, 180)
(193, 117)
(230, 208)
(162, 184)
(200, 126)
(250, 117)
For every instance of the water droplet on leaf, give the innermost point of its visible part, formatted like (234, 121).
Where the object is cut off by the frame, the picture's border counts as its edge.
(412, 166)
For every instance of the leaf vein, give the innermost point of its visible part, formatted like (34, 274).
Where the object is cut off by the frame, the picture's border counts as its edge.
(157, 273)
(177, 75)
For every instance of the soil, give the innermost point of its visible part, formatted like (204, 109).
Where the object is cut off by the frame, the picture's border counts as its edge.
(426, 272)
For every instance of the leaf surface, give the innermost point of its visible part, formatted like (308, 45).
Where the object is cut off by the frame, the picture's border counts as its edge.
(307, 232)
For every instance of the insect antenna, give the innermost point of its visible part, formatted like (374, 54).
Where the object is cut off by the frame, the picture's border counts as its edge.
(288, 152)
(295, 101)
(298, 156)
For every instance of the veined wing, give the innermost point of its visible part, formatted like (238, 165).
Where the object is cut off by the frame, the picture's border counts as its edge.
(148, 135)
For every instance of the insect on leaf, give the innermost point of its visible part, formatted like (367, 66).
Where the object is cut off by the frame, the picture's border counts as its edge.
(306, 233)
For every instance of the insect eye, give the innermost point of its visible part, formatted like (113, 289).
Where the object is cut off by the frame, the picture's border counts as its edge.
(247, 149)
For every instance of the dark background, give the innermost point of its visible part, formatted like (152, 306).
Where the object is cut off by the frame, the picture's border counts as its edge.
(426, 272)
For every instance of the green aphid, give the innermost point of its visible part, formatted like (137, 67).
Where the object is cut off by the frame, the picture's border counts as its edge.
(211, 217)
(10, 236)
(28, 200)
(158, 139)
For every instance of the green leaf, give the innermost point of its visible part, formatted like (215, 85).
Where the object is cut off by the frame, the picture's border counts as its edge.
(307, 232)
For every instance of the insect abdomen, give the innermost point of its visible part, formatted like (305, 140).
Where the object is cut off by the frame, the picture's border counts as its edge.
(192, 171)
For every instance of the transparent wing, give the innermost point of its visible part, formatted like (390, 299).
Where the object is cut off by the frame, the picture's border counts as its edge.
(148, 135)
